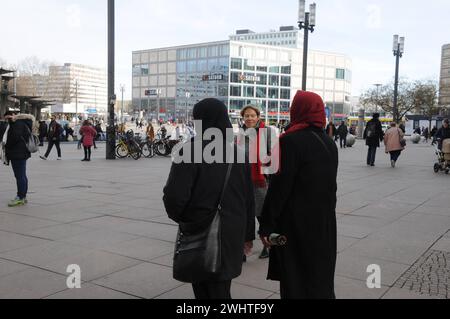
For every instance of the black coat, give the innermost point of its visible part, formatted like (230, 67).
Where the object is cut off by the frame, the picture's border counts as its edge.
(193, 191)
(442, 134)
(43, 128)
(377, 136)
(342, 131)
(301, 204)
(18, 133)
(54, 131)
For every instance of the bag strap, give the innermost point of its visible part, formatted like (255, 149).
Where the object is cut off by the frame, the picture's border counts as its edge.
(227, 178)
(321, 141)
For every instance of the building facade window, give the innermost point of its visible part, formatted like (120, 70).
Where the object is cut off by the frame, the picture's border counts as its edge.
(340, 74)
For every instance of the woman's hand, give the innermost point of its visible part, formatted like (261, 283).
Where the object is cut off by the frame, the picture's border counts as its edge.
(265, 241)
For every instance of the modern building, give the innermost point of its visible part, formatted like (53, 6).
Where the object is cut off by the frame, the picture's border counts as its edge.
(6, 101)
(290, 37)
(444, 87)
(75, 89)
(172, 80)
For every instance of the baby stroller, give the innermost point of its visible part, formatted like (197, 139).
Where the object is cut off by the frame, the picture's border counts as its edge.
(443, 157)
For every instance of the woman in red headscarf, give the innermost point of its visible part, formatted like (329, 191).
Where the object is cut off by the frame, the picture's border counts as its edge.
(301, 205)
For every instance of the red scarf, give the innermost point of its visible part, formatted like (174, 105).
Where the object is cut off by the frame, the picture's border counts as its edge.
(307, 110)
(259, 180)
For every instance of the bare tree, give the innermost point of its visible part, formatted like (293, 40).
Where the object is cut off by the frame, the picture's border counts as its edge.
(384, 98)
(34, 77)
(425, 98)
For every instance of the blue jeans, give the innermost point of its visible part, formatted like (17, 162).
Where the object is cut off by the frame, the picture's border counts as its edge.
(371, 155)
(20, 172)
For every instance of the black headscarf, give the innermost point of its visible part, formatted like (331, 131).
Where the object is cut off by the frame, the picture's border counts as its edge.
(213, 114)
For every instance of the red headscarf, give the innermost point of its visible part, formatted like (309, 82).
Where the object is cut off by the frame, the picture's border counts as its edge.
(307, 110)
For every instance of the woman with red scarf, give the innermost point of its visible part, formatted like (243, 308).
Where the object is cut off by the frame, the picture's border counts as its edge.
(301, 205)
(255, 135)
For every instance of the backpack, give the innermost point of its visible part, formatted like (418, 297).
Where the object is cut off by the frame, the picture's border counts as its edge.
(33, 141)
(371, 129)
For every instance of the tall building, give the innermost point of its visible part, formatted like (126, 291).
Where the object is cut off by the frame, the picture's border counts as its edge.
(444, 87)
(75, 88)
(290, 37)
(172, 80)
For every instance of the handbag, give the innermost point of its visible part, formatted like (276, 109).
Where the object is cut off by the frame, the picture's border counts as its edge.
(198, 254)
(33, 142)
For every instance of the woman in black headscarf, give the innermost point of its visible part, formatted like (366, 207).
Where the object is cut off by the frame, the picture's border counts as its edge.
(192, 193)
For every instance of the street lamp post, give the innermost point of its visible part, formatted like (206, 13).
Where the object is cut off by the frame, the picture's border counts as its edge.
(306, 21)
(378, 96)
(188, 95)
(399, 49)
(111, 132)
(122, 90)
(76, 102)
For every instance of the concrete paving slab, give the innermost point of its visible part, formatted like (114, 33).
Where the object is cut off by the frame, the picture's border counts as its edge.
(347, 288)
(90, 292)
(12, 241)
(31, 284)
(144, 280)
(9, 268)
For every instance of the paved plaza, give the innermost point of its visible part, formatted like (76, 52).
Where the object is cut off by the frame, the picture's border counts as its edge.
(108, 218)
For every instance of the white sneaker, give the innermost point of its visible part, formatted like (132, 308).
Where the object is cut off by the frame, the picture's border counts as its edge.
(59, 159)
(393, 164)
(43, 158)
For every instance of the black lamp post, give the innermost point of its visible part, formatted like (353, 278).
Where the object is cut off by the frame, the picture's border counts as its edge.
(111, 130)
(399, 49)
(306, 21)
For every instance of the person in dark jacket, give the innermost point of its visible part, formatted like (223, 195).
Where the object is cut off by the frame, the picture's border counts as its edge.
(43, 129)
(192, 194)
(342, 131)
(331, 130)
(18, 132)
(301, 205)
(443, 133)
(373, 134)
(54, 138)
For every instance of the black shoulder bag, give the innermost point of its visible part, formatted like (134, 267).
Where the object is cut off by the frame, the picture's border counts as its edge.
(198, 253)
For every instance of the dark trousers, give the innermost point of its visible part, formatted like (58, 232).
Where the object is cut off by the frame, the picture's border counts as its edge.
(41, 140)
(87, 152)
(343, 141)
(395, 155)
(20, 172)
(50, 146)
(372, 153)
(213, 290)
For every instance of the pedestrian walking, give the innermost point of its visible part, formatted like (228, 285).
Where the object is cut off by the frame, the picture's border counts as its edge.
(150, 132)
(43, 129)
(254, 126)
(88, 133)
(301, 205)
(191, 200)
(373, 134)
(394, 143)
(433, 135)
(14, 138)
(426, 134)
(443, 133)
(342, 132)
(54, 138)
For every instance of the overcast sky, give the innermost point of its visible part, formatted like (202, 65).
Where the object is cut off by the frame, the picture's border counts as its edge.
(66, 31)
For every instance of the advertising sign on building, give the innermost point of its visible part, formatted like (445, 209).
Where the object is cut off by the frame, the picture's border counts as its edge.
(213, 77)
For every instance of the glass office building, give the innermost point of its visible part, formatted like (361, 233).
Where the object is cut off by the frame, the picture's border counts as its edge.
(168, 82)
